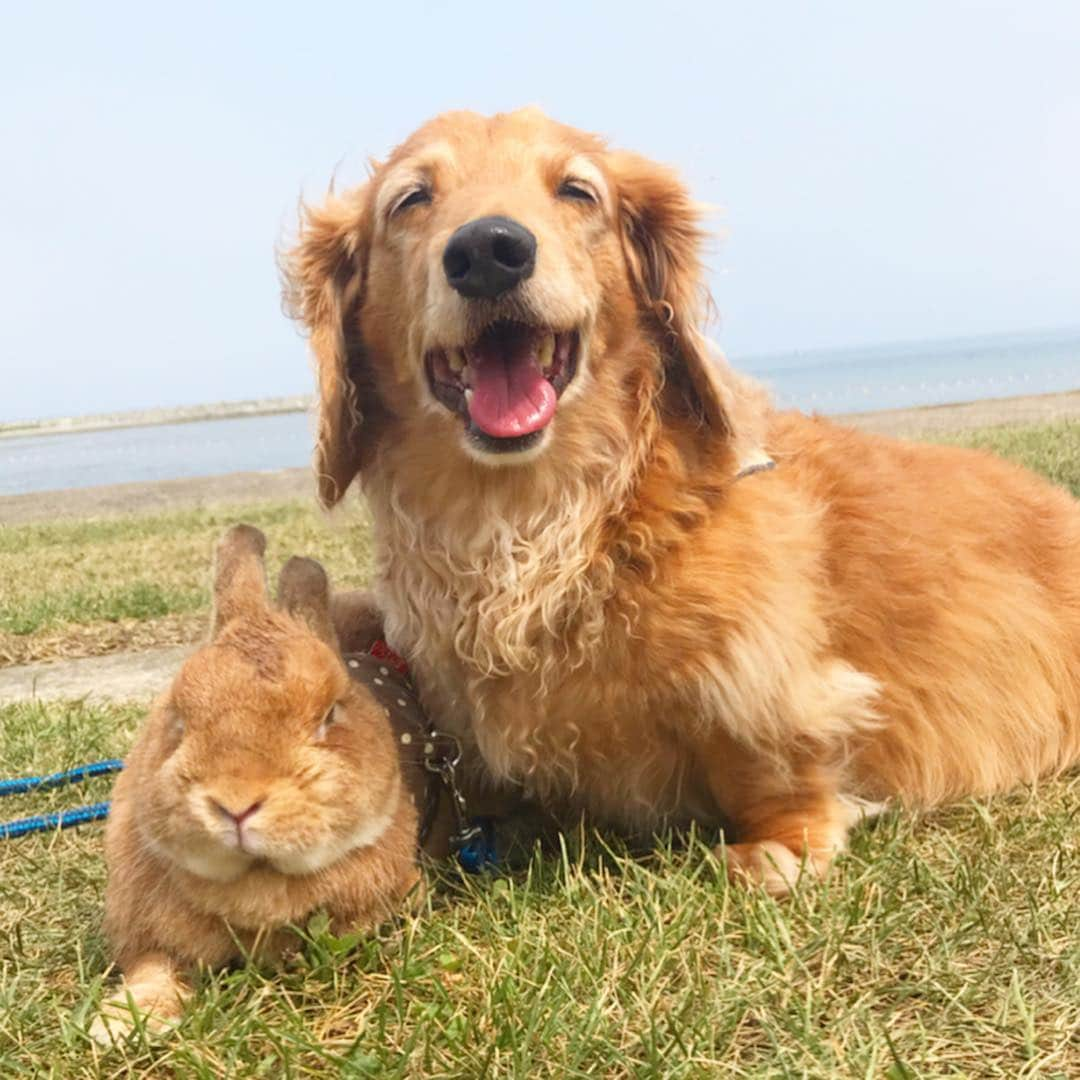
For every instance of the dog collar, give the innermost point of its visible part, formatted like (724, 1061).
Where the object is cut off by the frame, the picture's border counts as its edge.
(754, 464)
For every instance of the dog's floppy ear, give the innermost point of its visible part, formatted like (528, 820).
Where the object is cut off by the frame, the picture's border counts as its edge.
(323, 287)
(662, 239)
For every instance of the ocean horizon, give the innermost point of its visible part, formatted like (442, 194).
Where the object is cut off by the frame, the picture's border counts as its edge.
(830, 381)
(901, 375)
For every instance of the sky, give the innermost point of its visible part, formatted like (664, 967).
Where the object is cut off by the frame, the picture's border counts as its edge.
(882, 171)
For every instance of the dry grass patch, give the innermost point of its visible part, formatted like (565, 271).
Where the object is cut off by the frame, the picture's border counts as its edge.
(72, 640)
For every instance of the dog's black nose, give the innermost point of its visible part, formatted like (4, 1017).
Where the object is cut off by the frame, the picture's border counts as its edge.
(489, 256)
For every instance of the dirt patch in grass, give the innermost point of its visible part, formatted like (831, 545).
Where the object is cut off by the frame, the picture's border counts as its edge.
(98, 639)
(935, 420)
(161, 496)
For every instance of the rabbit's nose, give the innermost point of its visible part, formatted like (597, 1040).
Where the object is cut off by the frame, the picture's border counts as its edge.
(237, 816)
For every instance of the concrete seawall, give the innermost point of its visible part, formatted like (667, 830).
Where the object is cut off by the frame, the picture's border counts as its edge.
(183, 414)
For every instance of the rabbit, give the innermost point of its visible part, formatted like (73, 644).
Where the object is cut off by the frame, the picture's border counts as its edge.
(264, 785)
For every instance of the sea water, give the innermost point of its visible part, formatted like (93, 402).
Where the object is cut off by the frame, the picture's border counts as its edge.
(903, 375)
(158, 452)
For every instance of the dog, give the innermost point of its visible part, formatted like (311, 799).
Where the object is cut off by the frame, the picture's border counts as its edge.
(630, 584)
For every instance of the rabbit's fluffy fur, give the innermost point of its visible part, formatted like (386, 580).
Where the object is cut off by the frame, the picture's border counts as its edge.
(264, 785)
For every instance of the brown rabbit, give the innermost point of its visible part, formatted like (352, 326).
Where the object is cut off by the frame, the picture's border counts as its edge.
(264, 785)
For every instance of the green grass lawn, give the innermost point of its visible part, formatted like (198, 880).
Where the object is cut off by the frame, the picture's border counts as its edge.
(941, 945)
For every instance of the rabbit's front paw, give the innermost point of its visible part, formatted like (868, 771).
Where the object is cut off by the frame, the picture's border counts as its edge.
(121, 1015)
(150, 999)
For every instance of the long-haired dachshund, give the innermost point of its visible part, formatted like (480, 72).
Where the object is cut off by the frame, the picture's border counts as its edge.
(629, 583)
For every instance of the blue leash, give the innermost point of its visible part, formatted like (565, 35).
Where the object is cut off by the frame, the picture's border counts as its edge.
(63, 819)
(476, 853)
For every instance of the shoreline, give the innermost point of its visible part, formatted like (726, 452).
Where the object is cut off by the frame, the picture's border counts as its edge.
(965, 415)
(982, 412)
(181, 414)
(157, 496)
(199, 492)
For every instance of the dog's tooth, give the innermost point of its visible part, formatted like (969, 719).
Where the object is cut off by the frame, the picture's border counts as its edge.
(547, 352)
(468, 394)
(456, 359)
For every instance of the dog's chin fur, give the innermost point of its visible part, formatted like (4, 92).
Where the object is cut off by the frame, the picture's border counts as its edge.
(617, 620)
(507, 458)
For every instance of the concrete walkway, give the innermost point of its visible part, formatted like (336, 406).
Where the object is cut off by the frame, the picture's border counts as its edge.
(135, 676)
(158, 496)
(933, 419)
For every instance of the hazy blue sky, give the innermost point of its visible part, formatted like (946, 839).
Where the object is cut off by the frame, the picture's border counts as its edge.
(886, 170)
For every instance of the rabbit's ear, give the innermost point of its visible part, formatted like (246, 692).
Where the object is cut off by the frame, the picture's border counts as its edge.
(357, 620)
(239, 576)
(304, 592)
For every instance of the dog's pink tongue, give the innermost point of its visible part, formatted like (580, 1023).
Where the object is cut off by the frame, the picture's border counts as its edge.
(509, 394)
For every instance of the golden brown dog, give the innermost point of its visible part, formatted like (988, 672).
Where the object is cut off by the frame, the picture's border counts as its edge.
(577, 551)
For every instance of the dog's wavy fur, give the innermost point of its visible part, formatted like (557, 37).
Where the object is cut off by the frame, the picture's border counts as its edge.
(621, 622)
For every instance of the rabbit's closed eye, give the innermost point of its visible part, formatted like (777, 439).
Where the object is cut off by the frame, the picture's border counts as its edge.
(332, 717)
(175, 724)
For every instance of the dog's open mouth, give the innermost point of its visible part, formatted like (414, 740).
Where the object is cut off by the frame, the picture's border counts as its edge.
(506, 384)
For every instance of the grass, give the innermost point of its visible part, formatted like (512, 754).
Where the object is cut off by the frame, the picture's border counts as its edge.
(130, 600)
(942, 945)
(1050, 449)
(85, 588)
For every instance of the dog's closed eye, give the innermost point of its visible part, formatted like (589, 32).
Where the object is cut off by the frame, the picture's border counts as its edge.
(572, 188)
(416, 196)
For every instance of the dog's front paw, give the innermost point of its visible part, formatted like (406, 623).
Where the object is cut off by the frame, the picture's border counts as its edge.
(769, 864)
